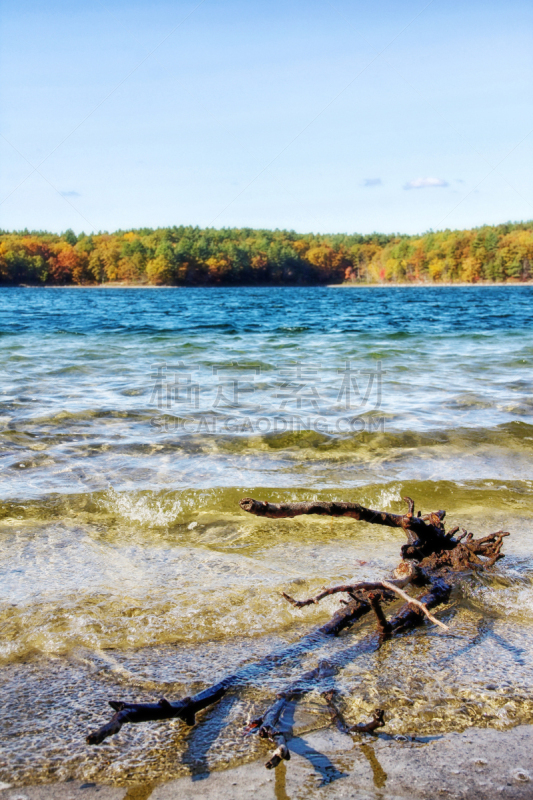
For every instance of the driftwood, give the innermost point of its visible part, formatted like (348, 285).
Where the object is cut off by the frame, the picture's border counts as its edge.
(432, 558)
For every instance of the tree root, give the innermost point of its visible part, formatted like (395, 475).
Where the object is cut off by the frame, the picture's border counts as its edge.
(431, 558)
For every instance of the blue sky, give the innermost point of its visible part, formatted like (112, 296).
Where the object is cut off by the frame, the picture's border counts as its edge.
(315, 116)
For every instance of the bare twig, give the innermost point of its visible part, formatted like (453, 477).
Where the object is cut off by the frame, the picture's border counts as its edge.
(413, 601)
(366, 586)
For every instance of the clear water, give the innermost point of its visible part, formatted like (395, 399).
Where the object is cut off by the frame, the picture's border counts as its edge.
(133, 421)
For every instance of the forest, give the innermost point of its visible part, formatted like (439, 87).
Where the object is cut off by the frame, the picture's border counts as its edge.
(192, 256)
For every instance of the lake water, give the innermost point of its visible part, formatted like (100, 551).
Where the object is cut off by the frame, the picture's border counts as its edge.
(133, 421)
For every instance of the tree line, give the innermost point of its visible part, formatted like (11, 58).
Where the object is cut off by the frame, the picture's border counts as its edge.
(191, 256)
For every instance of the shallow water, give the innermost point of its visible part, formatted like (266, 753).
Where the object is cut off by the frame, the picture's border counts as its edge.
(133, 421)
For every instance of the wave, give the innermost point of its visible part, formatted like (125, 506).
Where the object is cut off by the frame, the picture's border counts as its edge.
(172, 509)
(370, 434)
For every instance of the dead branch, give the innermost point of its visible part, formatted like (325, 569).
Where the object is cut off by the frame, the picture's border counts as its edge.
(331, 509)
(185, 710)
(425, 534)
(431, 558)
(267, 726)
(349, 588)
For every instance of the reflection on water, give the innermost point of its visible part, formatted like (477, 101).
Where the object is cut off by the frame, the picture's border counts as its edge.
(281, 781)
(127, 568)
(140, 792)
(378, 773)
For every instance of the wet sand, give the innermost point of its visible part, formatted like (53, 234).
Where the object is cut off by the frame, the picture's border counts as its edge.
(479, 763)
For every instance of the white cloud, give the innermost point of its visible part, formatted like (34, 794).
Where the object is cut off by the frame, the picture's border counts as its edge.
(372, 182)
(425, 183)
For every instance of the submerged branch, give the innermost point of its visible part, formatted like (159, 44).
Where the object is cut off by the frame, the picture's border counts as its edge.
(185, 710)
(188, 707)
(378, 717)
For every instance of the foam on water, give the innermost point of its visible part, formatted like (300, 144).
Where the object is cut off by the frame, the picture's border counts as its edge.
(152, 511)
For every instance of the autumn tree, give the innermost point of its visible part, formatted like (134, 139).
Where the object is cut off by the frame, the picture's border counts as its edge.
(191, 256)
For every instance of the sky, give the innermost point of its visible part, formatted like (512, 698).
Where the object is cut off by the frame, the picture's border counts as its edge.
(342, 116)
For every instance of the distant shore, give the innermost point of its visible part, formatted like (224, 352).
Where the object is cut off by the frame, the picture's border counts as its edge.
(267, 285)
(424, 285)
(193, 256)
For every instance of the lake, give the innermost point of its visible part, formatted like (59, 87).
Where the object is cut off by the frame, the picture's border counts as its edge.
(133, 421)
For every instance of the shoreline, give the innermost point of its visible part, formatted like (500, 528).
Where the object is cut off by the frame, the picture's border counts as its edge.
(478, 764)
(507, 284)
(425, 285)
